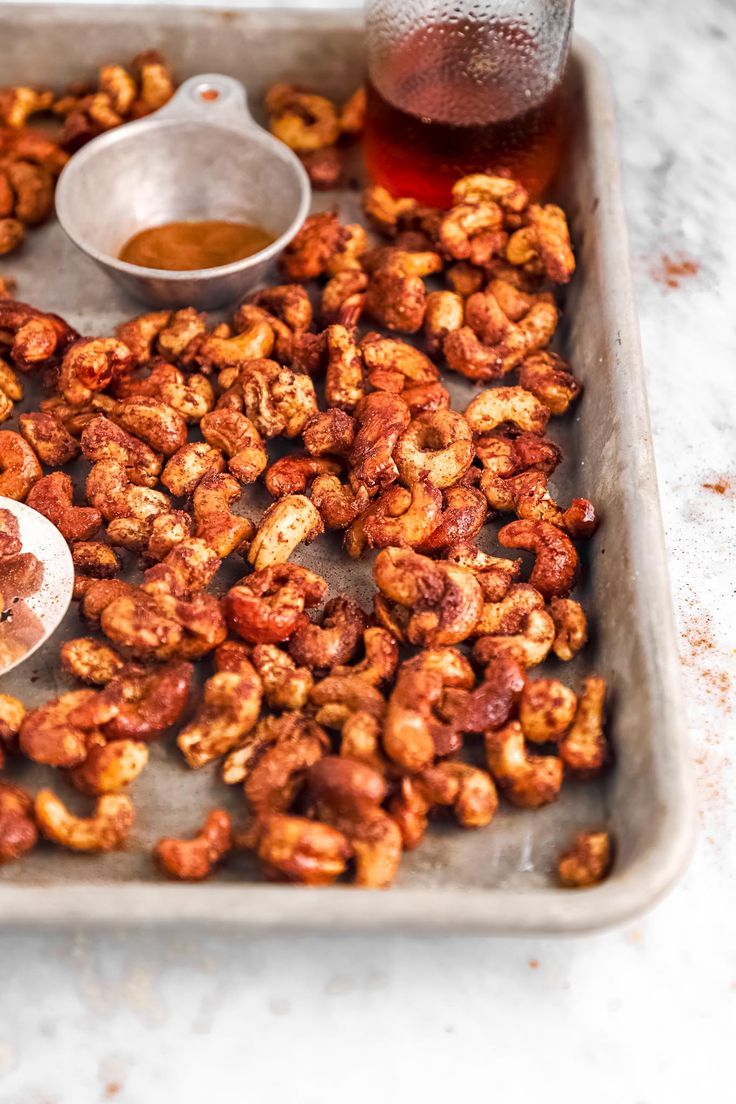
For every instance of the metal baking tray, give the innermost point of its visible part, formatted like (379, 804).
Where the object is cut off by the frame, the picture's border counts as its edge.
(493, 881)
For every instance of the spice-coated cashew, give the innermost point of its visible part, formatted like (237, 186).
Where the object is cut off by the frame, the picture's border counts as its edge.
(106, 830)
(526, 780)
(191, 860)
(291, 521)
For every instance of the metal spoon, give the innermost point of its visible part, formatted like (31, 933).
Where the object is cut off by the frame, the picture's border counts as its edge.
(25, 623)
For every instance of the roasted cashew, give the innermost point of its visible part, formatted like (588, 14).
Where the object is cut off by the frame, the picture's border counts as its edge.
(110, 491)
(230, 707)
(155, 82)
(494, 573)
(343, 297)
(469, 791)
(278, 774)
(528, 646)
(546, 709)
(37, 337)
(543, 244)
(464, 279)
(190, 396)
(266, 607)
(91, 365)
(17, 104)
(384, 211)
(339, 505)
(425, 398)
(48, 438)
(102, 439)
(18, 832)
(310, 251)
(11, 392)
(348, 795)
(191, 860)
(413, 734)
(12, 712)
(527, 780)
(215, 352)
(285, 686)
(571, 628)
(351, 703)
(476, 188)
(302, 120)
(528, 495)
(395, 295)
(12, 234)
(183, 334)
(490, 704)
(110, 768)
(188, 465)
(473, 232)
(344, 386)
(463, 515)
(47, 735)
(139, 334)
(155, 422)
(291, 521)
(547, 376)
(587, 861)
(241, 760)
(278, 402)
(106, 830)
(330, 433)
(438, 445)
(137, 704)
(509, 342)
(393, 364)
(302, 850)
(215, 523)
(240, 441)
(445, 313)
(584, 748)
(186, 569)
(162, 625)
(19, 468)
(497, 405)
(506, 454)
(467, 355)
(509, 614)
(348, 257)
(90, 660)
(292, 474)
(96, 559)
(557, 564)
(381, 420)
(335, 640)
(288, 302)
(443, 601)
(399, 518)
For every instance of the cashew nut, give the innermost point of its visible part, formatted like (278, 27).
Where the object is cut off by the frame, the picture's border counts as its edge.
(291, 521)
(527, 780)
(106, 830)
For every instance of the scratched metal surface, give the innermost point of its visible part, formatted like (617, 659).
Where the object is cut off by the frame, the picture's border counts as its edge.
(497, 880)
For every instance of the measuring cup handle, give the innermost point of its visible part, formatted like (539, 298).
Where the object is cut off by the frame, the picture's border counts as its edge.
(209, 96)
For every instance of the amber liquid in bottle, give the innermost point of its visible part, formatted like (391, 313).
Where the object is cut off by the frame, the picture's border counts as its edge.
(452, 121)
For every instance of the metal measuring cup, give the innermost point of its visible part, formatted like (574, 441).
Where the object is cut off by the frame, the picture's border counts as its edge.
(201, 156)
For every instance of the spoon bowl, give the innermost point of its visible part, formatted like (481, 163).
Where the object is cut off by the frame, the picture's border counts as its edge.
(25, 623)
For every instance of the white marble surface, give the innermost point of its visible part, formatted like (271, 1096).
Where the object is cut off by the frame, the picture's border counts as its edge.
(644, 1015)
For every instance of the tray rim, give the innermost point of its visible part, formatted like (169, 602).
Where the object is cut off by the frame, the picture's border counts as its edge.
(548, 911)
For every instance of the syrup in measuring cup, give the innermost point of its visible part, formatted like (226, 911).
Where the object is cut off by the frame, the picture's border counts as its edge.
(450, 101)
